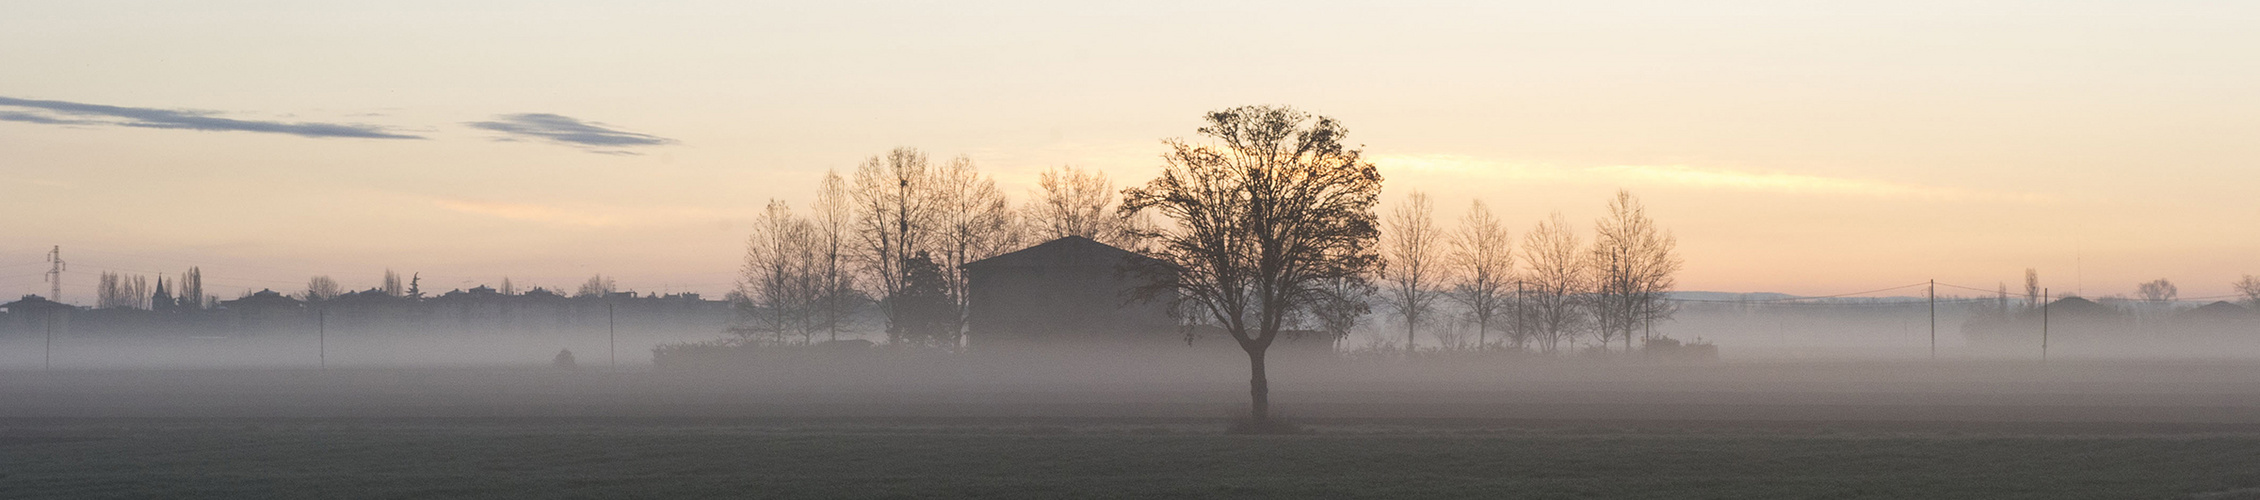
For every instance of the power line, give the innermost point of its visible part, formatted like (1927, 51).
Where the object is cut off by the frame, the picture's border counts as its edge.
(2177, 299)
(1792, 299)
(1972, 288)
(1832, 305)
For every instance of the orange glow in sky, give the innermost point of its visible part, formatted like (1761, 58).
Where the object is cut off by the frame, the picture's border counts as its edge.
(1795, 147)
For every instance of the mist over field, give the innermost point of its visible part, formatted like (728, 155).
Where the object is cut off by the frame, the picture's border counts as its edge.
(1883, 329)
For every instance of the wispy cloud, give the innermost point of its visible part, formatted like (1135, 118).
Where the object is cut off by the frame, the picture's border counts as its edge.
(1802, 184)
(1696, 177)
(75, 113)
(15, 116)
(567, 130)
(1466, 165)
(1797, 183)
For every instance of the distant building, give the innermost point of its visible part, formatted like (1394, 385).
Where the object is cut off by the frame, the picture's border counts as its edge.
(33, 312)
(2215, 319)
(266, 311)
(1070, 291)
(537, 315)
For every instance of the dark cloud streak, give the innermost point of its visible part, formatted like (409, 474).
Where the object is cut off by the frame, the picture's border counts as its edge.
(567, 130)
(185, 120)
(13, 116)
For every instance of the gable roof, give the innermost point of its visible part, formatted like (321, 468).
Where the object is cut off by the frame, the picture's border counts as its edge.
(1071, 251)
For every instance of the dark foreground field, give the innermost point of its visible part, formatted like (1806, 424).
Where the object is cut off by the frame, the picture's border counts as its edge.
(548, 458)
(1805, 430)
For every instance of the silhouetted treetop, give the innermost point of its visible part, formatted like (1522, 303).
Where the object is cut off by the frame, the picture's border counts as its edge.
(1264, 221)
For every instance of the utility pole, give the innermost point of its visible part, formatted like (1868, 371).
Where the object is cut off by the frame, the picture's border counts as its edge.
(2043, 325)
(322, 336)
(1933, 319)
(55, 274)
(611, 336)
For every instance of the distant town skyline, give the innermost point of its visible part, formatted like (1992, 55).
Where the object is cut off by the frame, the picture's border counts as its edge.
(1792, 147)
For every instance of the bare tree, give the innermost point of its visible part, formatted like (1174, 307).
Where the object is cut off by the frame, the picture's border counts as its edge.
(1262, 219)
(1482, 258)
(1075, 202)
(110, 292)
(597, 286)
(2157, 291)
(975, 222)
(895, 216)
(392, 285)
(113, 290)
(508, 288)
(2001, 302)
(2249, 287)
(779, 279)
(192, 289)
(1556, 281)
(1343, 301)
(320, 288)
(1411, 244)
(834, 224)
(1633, 266)
(2032, 288)
(2157, 298)
(137, 292)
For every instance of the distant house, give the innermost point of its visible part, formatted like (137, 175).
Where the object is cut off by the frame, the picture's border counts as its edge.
(266, 311)
(35, 313)
(1070, 291)
(2214, 319)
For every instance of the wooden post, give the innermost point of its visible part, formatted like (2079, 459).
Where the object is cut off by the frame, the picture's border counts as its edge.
(2043, 325)
(1933, 319)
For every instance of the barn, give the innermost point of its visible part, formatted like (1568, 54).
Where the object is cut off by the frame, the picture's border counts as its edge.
(1071, 292)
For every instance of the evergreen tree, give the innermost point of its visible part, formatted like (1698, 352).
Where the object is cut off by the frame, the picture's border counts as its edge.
(925, 314)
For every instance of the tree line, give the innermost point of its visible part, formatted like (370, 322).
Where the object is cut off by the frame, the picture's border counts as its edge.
(186, 293)
(893, 235)
(1557, 289)
(1267, 223)
(113, 290)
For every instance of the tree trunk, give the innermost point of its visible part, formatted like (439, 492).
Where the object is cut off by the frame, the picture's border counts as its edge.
(1259, 389)
(1409, 349)
(1483, 334)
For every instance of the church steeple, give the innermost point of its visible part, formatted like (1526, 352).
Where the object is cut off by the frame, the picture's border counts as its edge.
(161, 300)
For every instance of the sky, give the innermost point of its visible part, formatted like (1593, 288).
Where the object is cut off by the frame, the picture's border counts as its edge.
(1791, 146)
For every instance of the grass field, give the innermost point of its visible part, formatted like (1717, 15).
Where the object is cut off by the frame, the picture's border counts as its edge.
(548, 458)
(1832, 430)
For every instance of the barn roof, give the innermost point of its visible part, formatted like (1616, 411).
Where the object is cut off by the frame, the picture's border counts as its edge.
(1071, 251)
